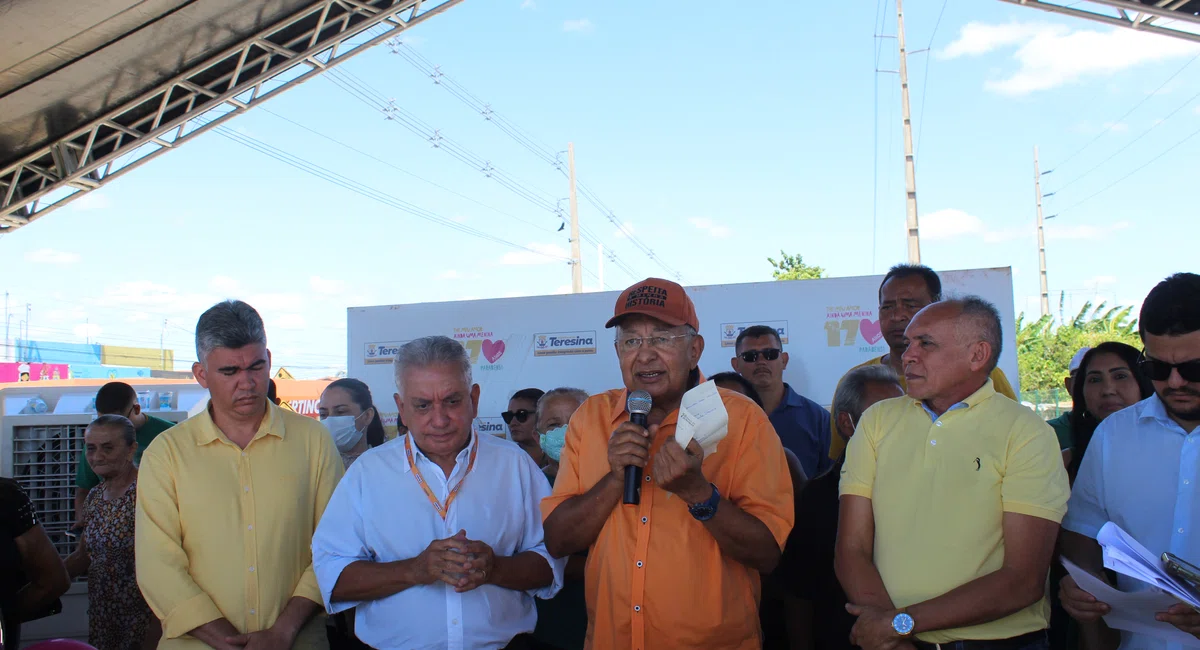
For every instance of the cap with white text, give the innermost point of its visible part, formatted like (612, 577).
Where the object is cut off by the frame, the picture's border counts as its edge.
(1077, 359)
(656, 298)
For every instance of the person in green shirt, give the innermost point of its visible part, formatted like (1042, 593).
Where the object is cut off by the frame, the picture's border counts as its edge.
(116, 398)
(1062, 423)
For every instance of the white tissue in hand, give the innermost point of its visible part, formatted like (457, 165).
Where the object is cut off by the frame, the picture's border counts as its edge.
(702, 417)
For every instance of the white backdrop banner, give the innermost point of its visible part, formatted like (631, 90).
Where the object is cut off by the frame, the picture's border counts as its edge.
(827, 327)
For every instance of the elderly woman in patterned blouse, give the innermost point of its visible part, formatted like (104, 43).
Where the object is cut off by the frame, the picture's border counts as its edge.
(118, 617)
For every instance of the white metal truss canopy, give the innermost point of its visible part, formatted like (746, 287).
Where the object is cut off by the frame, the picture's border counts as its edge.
(90, 90)
(1176, 18)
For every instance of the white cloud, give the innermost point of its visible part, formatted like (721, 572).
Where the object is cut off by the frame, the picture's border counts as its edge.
(453, 274)
(289, 322)
(948, 224)
(1116, 127)
(326, 287)
(156, 298)
(1197, 109)
(562, 289)
(51, 256)
(87, 331)
(290, 301)
(225, 285)
(529, 4)
(541, 254)
(624, 231)
(1055, 231)
(579, 25)
(1049, 56)
(458, 218)
(713, 228)
(138, 317)
(952, 223)
(91, 201)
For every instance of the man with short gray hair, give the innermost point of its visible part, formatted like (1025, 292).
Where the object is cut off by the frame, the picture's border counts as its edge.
(435, 540)
(227, 502)
(815, 603)
(951, 499)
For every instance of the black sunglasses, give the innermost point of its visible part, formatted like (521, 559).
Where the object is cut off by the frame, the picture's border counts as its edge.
(1161, 370)
(520, 416)
(770, 354)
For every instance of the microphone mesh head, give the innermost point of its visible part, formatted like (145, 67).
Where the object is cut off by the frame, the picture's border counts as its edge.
(638, 402)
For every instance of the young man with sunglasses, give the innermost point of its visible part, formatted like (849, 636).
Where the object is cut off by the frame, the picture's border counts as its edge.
(521, 418)
(1142, 468)
(803, 425)
(116, 398)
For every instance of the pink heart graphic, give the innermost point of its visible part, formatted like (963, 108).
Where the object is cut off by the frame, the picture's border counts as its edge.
(493, 350)
(870, 330)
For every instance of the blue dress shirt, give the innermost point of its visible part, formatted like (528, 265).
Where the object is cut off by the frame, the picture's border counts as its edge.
(379, 513)
(1140, 471)
(804, 429)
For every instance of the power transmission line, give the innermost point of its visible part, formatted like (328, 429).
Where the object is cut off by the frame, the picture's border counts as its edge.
(1131, 142)
(518, 135)
(1116, 182)
(1114, 123)
(925, 80)
(365, 190)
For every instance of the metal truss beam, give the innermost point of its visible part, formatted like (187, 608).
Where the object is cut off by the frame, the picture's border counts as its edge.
(260, 67)
(1124, 13)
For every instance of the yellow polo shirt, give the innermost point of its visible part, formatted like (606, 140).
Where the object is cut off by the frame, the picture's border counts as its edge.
(224, 532)
(940, 487)
(837, 444)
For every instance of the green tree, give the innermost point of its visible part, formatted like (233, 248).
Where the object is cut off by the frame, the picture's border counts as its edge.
(1044, 350)
(792, 267)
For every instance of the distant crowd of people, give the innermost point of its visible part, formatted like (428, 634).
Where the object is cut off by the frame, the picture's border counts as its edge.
(926, 509)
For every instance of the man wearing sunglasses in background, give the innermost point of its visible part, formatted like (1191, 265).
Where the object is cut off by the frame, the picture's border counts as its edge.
(1142, 468)
(803, 425)
(521, 418)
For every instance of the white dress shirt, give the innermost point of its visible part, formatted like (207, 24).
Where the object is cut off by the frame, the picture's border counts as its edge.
(1141, 471)
(379, 513)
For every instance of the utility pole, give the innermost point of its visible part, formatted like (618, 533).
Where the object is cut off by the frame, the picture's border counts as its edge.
(1041, 233)
(910, 168)
(576, 262)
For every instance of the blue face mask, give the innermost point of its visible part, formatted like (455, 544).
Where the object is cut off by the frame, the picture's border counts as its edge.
(553, 440)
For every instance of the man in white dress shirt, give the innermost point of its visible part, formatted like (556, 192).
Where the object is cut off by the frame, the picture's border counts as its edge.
(436, 538)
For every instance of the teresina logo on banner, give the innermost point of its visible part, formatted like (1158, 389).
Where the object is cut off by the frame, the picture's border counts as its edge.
(490, 426)
(730, 331)
(556, 344)
(382, 352)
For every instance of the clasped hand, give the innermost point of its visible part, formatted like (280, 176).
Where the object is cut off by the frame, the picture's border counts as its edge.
(462, 563)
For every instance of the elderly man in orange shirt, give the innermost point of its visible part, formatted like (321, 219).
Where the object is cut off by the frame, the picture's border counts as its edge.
(679, 570)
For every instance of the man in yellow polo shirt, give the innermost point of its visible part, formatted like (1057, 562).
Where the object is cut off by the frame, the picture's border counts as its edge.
(906, 290)
(951, 499)
(227, 503)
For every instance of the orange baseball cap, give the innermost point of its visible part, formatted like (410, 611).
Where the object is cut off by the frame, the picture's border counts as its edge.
(657, 298)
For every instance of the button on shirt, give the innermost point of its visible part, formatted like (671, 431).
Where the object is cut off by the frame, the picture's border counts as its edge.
(804, 428)
(940, 486)
(379, 513)
(655, 577)
(1140, 472)
(223, 532)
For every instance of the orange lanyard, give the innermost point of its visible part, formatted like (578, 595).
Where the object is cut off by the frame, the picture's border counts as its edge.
(437, 505)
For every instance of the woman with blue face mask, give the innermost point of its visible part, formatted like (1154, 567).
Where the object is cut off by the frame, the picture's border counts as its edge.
(562, 620)
(554, 411)
(350, 416)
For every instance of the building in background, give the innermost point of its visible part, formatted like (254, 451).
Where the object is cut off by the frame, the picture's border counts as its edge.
(45, 360)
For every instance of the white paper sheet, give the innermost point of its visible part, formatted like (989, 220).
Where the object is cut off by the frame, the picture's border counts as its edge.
(1125, 555)
(1135, 611)
(702, 417)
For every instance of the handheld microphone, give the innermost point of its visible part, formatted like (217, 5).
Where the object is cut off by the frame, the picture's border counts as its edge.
(638, 405)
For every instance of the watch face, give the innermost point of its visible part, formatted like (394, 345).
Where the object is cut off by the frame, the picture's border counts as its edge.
(903, 624)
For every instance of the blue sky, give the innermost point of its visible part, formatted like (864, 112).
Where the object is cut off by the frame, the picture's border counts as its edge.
(717, 136)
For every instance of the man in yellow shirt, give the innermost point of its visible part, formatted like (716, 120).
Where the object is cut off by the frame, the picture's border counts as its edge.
(951, 499)
(906, 290)
(227, 503)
